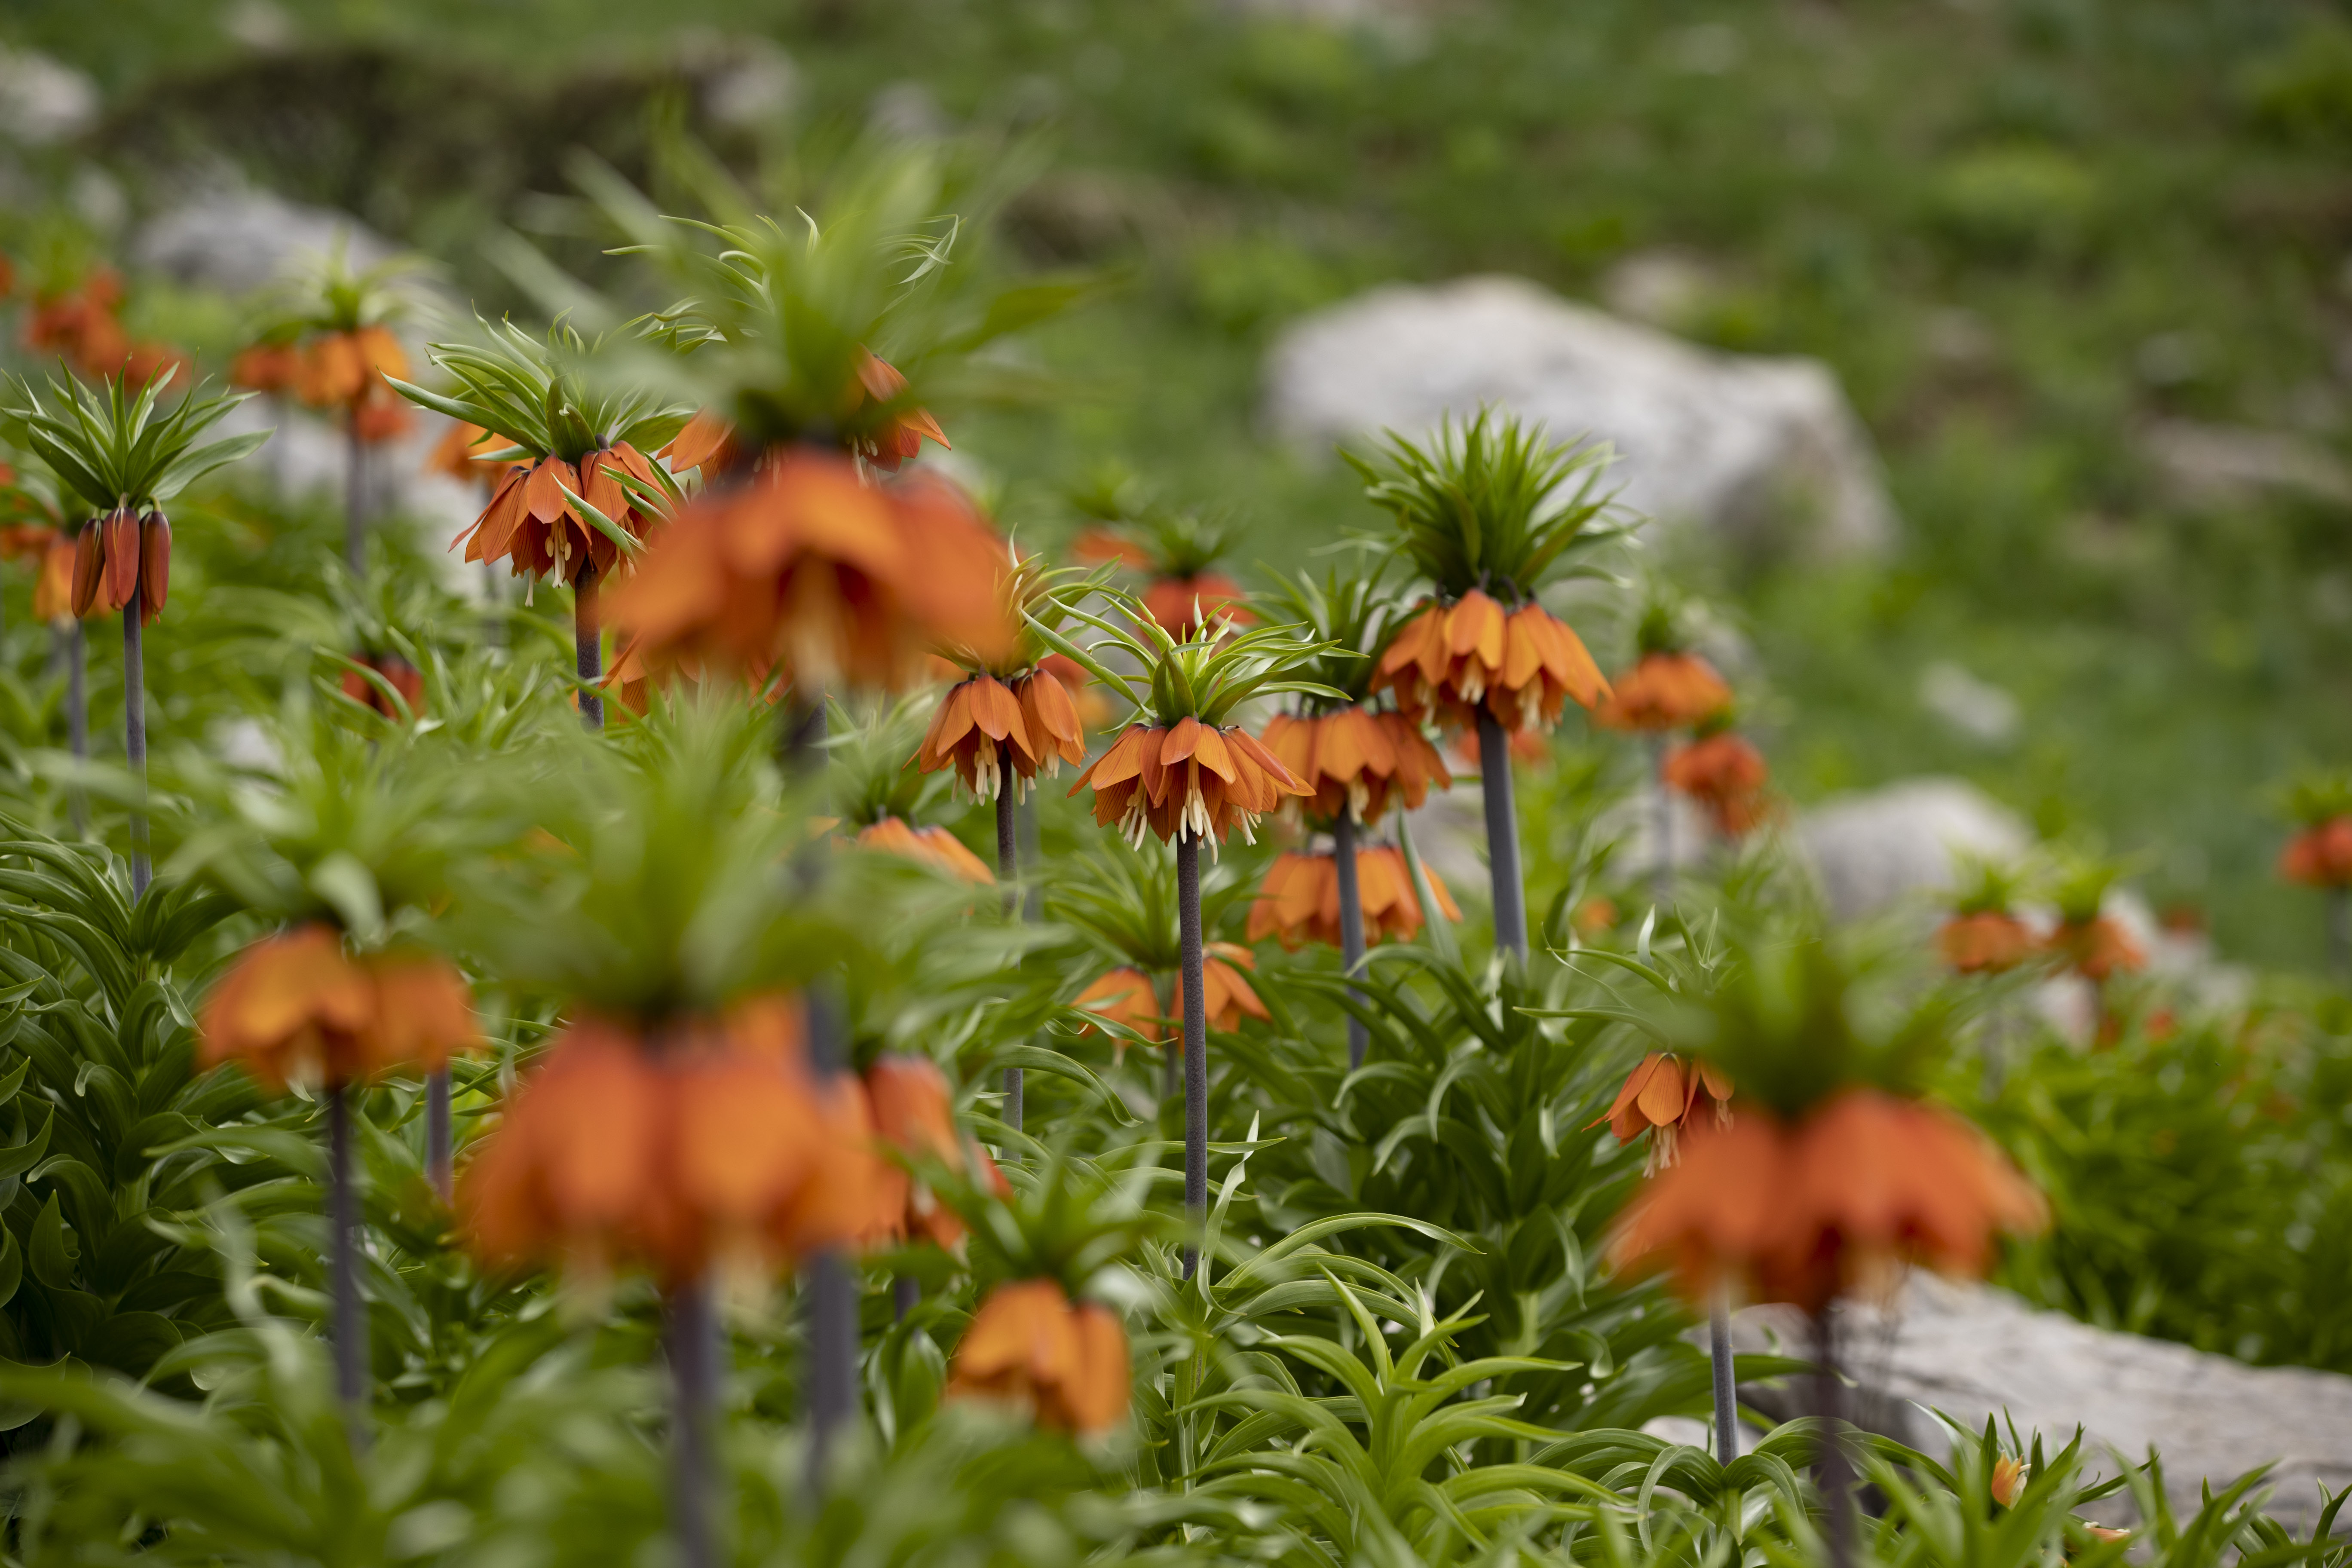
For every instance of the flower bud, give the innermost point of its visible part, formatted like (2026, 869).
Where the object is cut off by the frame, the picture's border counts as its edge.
(121, 582)
(89, 565)
(155, 564)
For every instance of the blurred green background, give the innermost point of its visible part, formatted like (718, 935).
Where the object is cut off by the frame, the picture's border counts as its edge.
(2022, 231)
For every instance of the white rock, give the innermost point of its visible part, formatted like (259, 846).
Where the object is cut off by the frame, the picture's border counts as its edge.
(1975, 708)
(1871, 849)
(1970, 1352)
(42, 100)
(238, 240)
(1730, 440)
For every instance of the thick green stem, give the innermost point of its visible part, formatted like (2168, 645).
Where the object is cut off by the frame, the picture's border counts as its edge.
(354, 499)
(831, 1379)
(1727, 1385)
(439, 1152)
(1008, 872)
(78, 718)
(1834, 1471)
(1662, 867)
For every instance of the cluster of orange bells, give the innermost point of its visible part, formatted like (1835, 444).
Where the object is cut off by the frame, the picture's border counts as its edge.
(1128, 997)
(1520, 666)
(1202, 780)
(1298, 901)
(1720, 770)
(1994, 941)
(983, 726)
(83, 326)
(52, 552)
(341, 371)
(2320, 855)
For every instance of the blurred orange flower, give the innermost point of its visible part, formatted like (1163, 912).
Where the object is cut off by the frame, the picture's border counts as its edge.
(403, 676)
(266, 367)
(934, 846)
(1356, 761)
(903, 434)
(2320, 855)
(1659, 1098)
(1989, 941)
(1067, 1363)
(344, 370)
(809, 566)
(1833, 1202)
(2096, 948)
(1029, 722)
(1226, 995)
(53, 590)
(296, 1008)
(1452, 660)
(458, 454)
(914, 1111)
(1183, 605)
(707, 1144)
(1665, 691)
(1190, 778)
(707, 442)
(1299, 899)
(1724, 774)
(1093, 707)
(1126, 996)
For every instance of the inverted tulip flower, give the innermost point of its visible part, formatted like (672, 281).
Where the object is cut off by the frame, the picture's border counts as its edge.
(113, 451)
(1660, 1098)
(1064, 1361)
(2319, 855)
(81, 325)
(1726, 775)
(2088, 941)
(1357, 760)
(1488, 511)
(1831, 1173)
(328, 341)
(1983, 934)
(1299, 899)
(578, 496)
(934, 846)
(1182, 772)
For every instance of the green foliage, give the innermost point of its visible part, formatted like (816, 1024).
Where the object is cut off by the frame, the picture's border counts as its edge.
(1491, 503)
(530, 391)
(111, 448)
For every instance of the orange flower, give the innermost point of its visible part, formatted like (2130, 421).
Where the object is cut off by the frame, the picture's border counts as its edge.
(404, 677)
(1126, 996)
(376, 420)
(53, 590)
(2320, 855)
(1030, 722)
(1803, 1213)
(1659, 1097)
(79, 325)
(344, 370)
(934, 846)
(1355, 761)
(1723, 774)
(1190, 778)
(1067, 1363)
(2008, 1480)
(295, 1007)
(1522, 667)
(2096, 948)
(266, 367)
(808, 565)
(1183, 604)
(902, 435)
(119, 557)
(1299, 899)
(1989, 941)
(1665, 691)
(1594, 915)
(707, 1144)
(458, 454)
(1227, 996)
(1096, 544)
(914, 1113)
(530, 522)
(1093, 707)
(707, 442)
(26, 541)
(147, 362)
